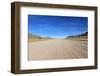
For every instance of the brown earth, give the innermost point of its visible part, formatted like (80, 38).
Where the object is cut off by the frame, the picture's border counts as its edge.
(57, 49)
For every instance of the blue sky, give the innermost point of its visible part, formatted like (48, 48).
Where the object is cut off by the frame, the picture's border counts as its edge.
(56, 26)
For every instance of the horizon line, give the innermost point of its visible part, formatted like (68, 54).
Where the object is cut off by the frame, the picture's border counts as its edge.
(58, 37)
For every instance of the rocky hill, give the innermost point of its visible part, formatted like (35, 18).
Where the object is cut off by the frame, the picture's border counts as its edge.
(80, 35)
(36, 36)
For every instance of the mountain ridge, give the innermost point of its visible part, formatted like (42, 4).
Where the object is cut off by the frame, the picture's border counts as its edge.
(80, 35)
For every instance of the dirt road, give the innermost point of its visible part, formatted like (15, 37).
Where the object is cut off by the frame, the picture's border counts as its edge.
(57, 49)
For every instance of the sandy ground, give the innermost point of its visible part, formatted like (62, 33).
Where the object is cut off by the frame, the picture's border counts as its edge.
(57, 49)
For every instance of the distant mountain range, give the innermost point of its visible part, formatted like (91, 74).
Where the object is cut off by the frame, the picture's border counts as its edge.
(80, 35)
(33, 36)
(73, 36)
(36, 36)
